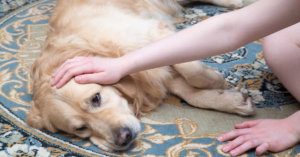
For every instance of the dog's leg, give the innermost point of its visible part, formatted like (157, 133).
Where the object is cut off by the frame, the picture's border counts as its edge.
(231, 101)
(223, 3)
(197, 75)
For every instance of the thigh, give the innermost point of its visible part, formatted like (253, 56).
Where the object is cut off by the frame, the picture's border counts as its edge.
(282, 54)
(289, 35)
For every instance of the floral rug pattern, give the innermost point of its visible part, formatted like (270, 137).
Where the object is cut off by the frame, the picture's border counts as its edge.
(23, 26)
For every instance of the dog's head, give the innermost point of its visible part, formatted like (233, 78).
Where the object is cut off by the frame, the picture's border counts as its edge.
(105, 114)
(90, 110)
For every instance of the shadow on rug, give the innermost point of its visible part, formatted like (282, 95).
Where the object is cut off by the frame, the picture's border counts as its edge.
(175, 129)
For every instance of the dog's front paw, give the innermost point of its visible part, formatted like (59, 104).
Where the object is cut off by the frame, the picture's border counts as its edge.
(236, 3)
(246, 107)
(241, 103)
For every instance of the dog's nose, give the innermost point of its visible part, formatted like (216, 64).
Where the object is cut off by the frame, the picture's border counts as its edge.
(125, 137)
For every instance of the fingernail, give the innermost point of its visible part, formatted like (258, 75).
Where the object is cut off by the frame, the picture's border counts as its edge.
(58, 85)
(225, 148)
(78, 79)
(233, 153)
(220, 138)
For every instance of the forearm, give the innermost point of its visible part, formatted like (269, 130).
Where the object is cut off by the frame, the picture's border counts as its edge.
(217, 35)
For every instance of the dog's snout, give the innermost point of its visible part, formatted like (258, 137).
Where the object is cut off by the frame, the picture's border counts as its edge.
(125, 136)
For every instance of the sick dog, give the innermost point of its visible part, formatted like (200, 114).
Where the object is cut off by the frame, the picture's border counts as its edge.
(108, 114)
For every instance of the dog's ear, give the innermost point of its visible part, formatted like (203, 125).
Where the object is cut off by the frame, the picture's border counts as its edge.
(140, 92)
(35, 120)
(128, 86)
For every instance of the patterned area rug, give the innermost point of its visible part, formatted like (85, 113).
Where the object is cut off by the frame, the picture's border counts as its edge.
(174, 129)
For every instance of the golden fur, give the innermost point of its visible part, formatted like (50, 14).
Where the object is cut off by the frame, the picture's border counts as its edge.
(107, 114)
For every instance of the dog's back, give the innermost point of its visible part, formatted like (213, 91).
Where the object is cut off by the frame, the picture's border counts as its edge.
(113, 22)
(107, 28)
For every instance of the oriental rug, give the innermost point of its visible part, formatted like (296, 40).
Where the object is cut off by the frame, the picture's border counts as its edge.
(174, 129)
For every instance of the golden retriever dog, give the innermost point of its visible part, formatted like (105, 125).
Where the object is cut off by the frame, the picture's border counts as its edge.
(108, 114)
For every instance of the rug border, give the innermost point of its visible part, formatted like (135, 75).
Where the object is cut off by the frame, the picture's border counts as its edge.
(42, 135)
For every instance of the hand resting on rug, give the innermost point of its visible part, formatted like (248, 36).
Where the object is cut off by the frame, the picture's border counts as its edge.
(228, 31)
(265, 134)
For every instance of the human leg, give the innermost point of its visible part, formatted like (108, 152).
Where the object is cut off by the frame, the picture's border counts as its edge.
(282, 54)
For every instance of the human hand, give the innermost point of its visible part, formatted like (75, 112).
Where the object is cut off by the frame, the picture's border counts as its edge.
(263, 134)
(88, 70)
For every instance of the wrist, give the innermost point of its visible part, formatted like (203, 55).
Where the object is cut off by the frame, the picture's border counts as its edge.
(126, 66)
(294, 122)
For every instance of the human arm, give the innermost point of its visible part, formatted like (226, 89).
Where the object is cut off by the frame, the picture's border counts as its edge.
(214, 36)
(263, 134)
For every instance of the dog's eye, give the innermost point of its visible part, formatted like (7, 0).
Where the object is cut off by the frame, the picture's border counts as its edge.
(96, 101)
(81, 128)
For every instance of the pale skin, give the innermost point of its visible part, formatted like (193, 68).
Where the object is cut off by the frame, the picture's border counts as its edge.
(229, 31)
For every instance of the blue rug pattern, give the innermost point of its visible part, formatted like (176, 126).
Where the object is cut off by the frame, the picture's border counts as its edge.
(23, 26)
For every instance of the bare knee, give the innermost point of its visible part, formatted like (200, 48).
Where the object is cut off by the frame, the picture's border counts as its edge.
(274, 47)
(280, 46)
